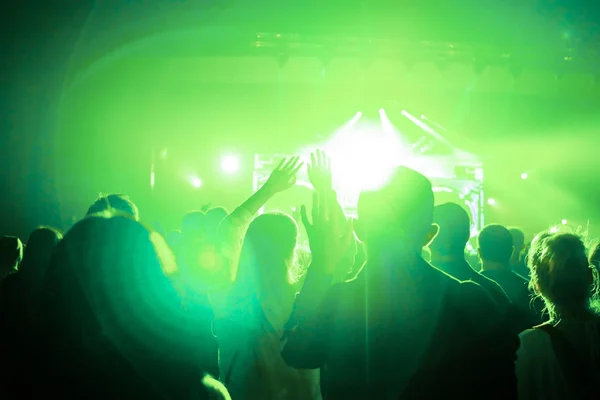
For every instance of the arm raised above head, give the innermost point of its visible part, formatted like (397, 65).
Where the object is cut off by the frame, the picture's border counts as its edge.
(233, 228)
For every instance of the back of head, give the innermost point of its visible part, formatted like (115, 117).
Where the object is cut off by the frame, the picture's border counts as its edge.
(41, 245)
(110, 271)
(455, 230)
(267, 252)
(114, 202)
(495, 244)
(214, 217)
(193, 224)
(401, 212)
(109, 287)
(561, 274)
(518, 238)
(11, 254)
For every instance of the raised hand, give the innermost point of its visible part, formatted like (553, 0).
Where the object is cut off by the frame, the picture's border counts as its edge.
(330, 235)
(284, 176)
(319, 171)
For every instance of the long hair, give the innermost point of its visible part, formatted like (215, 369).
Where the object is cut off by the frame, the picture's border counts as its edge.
(561, 274)
(108, 292)
(266, 256)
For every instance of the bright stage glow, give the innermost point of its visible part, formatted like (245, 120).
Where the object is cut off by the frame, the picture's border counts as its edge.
(365, 153)
(196, 182)
(492, 202)
(363, 157)
(564, 221)
(230, 164)
(524, 175)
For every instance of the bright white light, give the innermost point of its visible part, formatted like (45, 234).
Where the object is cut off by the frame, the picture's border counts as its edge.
(363, 157)
(230, 164)
(554, 229)
(422, 117)
(152, 179)
(381, 111)
(196, 182)
(492, 202)
(524, 175)
(564, 221)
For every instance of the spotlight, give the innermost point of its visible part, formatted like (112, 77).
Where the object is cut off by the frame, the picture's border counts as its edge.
(196, 182)
(492, 202)
(524, 175)
(230, 164)
(564, 222)
(422, 117)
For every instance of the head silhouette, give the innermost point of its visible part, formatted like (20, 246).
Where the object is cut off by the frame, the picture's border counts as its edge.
(455, 230)
(109, 277)
(41, 245)
(495, 245)
(114, 202)
(518, 239)
(194, 224)
(267, 254)
(110, 296)
(214, 217)
(562, 275)
(518, 242)
(397, 219)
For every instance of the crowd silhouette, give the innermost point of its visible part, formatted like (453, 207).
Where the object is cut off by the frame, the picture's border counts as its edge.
(227, 308)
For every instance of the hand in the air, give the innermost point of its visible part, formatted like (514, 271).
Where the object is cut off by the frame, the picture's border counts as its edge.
(330, 235)
(284, 176)
(319, 171)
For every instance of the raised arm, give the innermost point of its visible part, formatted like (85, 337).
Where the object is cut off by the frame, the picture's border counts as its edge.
(233, 228)
(320, 176)
(306, 333)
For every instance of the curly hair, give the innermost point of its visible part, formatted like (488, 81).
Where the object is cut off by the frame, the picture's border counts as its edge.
(561, 273)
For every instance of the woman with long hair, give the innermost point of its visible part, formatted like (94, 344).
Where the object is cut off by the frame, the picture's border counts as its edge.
(259, 304)
(561, 358)
(114, 324)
